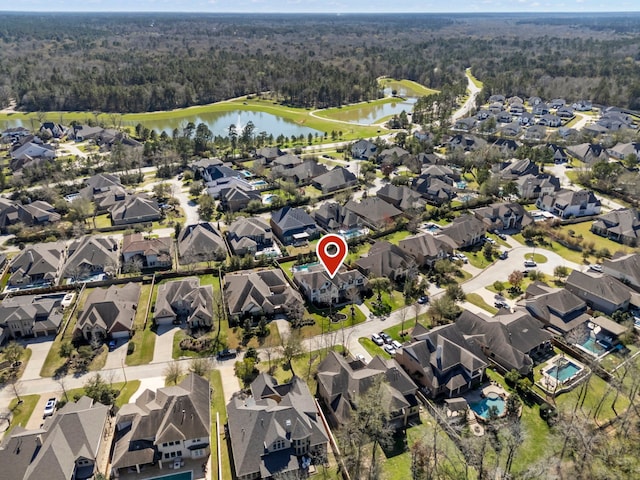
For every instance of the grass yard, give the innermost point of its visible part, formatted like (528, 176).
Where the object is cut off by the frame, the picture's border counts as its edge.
(99, 360)
(10, 372)
(126, 390)
(324, 325)
(395, 300)
(478, 301)
(413, 89)
(396, 236)
(218, 405)
(566, 253)
(357, 251)
(101, 221)
(409, 324)
(478, 260)
(372, 348)
(144, 338)
(536, 257)
(588, 236)
(287, 268)
(21, 412)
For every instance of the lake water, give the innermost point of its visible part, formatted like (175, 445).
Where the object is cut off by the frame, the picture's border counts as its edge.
(371, 114)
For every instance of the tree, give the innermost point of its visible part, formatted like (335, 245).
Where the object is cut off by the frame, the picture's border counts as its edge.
(515, 279)
(246, 370)
(172, 373)
(13, 352)
(291, 347)
(499, 286)
(99, 390)
(631, 161)
(195, 189)
(206, 207)
(132, 266)
(443, 308)
(200, 366)
(380, 284)
(561, 272)
(455, 292)
(80, 209)
(162, 191)
(66, 349)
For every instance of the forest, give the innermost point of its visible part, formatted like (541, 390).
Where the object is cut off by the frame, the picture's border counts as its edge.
(148, 62)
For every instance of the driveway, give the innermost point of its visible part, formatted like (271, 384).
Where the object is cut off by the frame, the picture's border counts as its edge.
(36, 417)
(230, 383)
(152, 383)
(116, 358)
(40, 349)
(189, 208)
(163, 350)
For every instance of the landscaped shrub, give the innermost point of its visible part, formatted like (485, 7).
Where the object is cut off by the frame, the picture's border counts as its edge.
(131, 347)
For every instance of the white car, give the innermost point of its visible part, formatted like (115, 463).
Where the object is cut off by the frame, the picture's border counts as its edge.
(530, 263)
(50, 407)
(377, 339)
(396, 344)
(462, 257)
(389, 349)
(596, 268)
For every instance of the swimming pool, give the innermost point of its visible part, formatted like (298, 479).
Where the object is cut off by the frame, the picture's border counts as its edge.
(176, 476)
(484, 406)
(563, 370)
(592, 346)
(258, 183)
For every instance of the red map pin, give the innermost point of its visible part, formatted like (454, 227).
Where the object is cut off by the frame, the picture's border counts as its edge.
(332, 258)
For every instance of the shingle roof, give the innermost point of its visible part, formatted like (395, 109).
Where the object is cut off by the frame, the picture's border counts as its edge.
(603, 287)
(200, 241)
(628, 266)
(112, 309)
(188, 293)
(258, 290)
(373, 210)
(90, 252)
(134, 207)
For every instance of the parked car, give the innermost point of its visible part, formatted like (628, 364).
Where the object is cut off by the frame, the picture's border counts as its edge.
(50, 407)
(423, 299)
(112, 345)
(386, 338)
(462, 256)
(530, 263)
(503, 255)
(501, 304)
(377, 339)
(227, 353)
(596, 267)
(502, 236)
(396, 344)
(361, 358)
(389, 349)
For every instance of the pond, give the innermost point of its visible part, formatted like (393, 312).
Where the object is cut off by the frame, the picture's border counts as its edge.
(369, 114)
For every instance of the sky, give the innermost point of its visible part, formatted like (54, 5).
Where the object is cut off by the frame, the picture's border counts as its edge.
(323, 6)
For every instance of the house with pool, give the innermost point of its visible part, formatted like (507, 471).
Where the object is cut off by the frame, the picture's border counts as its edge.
(442, 361)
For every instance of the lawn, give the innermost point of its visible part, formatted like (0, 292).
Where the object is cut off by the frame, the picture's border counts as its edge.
(21, 412)
(473, 79)
(372, 348)
(126, 390)
(395, 237)
(324, 325)
(101, 221)
(478, 301)
(536, 257)
(409, 324)
(413, 89)
(355, 252)
(218, 405)
(525, 283)
(478, 260)
(287, 268)
(144, 338)
(24, 359)
(566, 253)
(588, 236)
(395, 300)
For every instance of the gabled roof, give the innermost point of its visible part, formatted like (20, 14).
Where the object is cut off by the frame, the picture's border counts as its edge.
(383, 260)
(424, 244)
(90, 252)
(253, 291)
(134, 207)
(335, 179)
(44, 311)
(602, 287)
(463, 229)
(401, 196)
(288, 218)
(305, 171)
(624, 222)
(184, 292)
(200, 240)
(373, 210)
(37, 260)
(627, 266)
(112, 309)
(560, 308)
(137, 242)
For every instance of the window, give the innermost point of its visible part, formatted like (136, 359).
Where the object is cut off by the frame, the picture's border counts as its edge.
(166, 455)
(164, 444)
(173, 454)
(179, 453)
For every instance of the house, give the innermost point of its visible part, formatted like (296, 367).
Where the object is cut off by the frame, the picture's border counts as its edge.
(216, 189)
(31, 315)
(164, 427)
(511, 340)
(550, 120)
(321, 289)
(504, 216)
(267, 155)
(394, 155)
(504, 117)
(534, 101)
(293, 225)
(602, 293)
(525, 119)
(558, 153)
(252, 293)
(496, 107)
(104, 190)
(37, 265)
(135, 209)
(518, 168)
(467, 143)
(385, 260)
(151, 252)
(614, 120)
(71, 444)
(32, 214)
(15, 133)
(32, 150)
(620, 151)
(341, 384)
(249, 235)
(275, 430)
(303, 174)
(80, 133)
(622, 225)
(442, 361)
(336, 179)
(401, 197)
(517, 109)
(588, 152)
(214, 171)
(536, 132)
(441, 172)
(425, 248)
(583, 106)
(235, 198)
(375, 212)
(108, 313)
(569, 203)
(363, 150)
(465, 124)
(54, 130)
(88, 257)
(536, 186)
(465, 231)
(540, 109)
(510, 129)
(434, 190)
(484, 114)
(333, 217)
(565, 112)
(201, 242)
(625, 268)
(497, 98)
(286, 161)
(506, 146)
(558, 309)
(184, 301)
(515, 100)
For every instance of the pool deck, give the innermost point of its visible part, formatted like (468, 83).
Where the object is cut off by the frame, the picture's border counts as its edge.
(150, 472)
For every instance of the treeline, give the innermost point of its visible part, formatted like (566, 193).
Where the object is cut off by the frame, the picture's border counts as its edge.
(148, 62)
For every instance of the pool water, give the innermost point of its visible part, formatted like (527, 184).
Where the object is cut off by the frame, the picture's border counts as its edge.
(256, 183)
(482, 407)
(176, 476)
(563, 372)
(593, 346)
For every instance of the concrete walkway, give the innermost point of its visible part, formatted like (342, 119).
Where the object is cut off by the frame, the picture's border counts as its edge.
(39, 350)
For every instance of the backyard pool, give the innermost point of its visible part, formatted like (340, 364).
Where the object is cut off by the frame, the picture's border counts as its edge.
(432, 228)
(246, 173)
(268, 199)
(175, 476)
(563, 370)
(483, 407)
(258, 183)
(592, 346)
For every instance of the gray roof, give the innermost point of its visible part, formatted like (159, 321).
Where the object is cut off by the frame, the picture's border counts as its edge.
(463, 229)
(181, 412)
(345, 381)
(249, 229)
(624, 222)
(335, 179)
(74, 432)
(257, 291)
(44, 311)
(560, 309)
(39, 260)
(135, 208)
(316, 277)
(200, 240)
(185, 294)
(373, 210)
(112, 309)
(401, 196)
(424, 244)
(278, 413)
(89, 253)
(602, 287)
(384, 260)
(508, 338)
(288, 218)
(626, 266)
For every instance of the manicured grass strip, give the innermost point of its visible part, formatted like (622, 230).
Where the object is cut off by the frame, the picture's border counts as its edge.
(536, 257)
(473, 79)
(126, 391)
(372, 348)
(22, 412)
(478, 301)
(144, 339)
(414, 89)
(218, 405)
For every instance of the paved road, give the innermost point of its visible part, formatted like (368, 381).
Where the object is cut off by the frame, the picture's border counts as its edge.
(470, 104)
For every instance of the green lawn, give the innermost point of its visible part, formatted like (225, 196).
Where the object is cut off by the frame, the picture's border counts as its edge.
(355, 252)
(566, 253)
(218, 405)
(396, 236)
(372, 348)
(144, 338)
(409, 323)
(24, 359)
(287, 268)
(395, 299)
(22, 412)
(99, 360)
(101, 221)
(473, 79)
(478, 301)
(125, 391)
(414, 89)
(536, 257)
(324, 325)
(478, 260)
(588, 236)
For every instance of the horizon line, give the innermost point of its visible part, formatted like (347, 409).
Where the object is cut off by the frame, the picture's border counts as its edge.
(74, 12)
